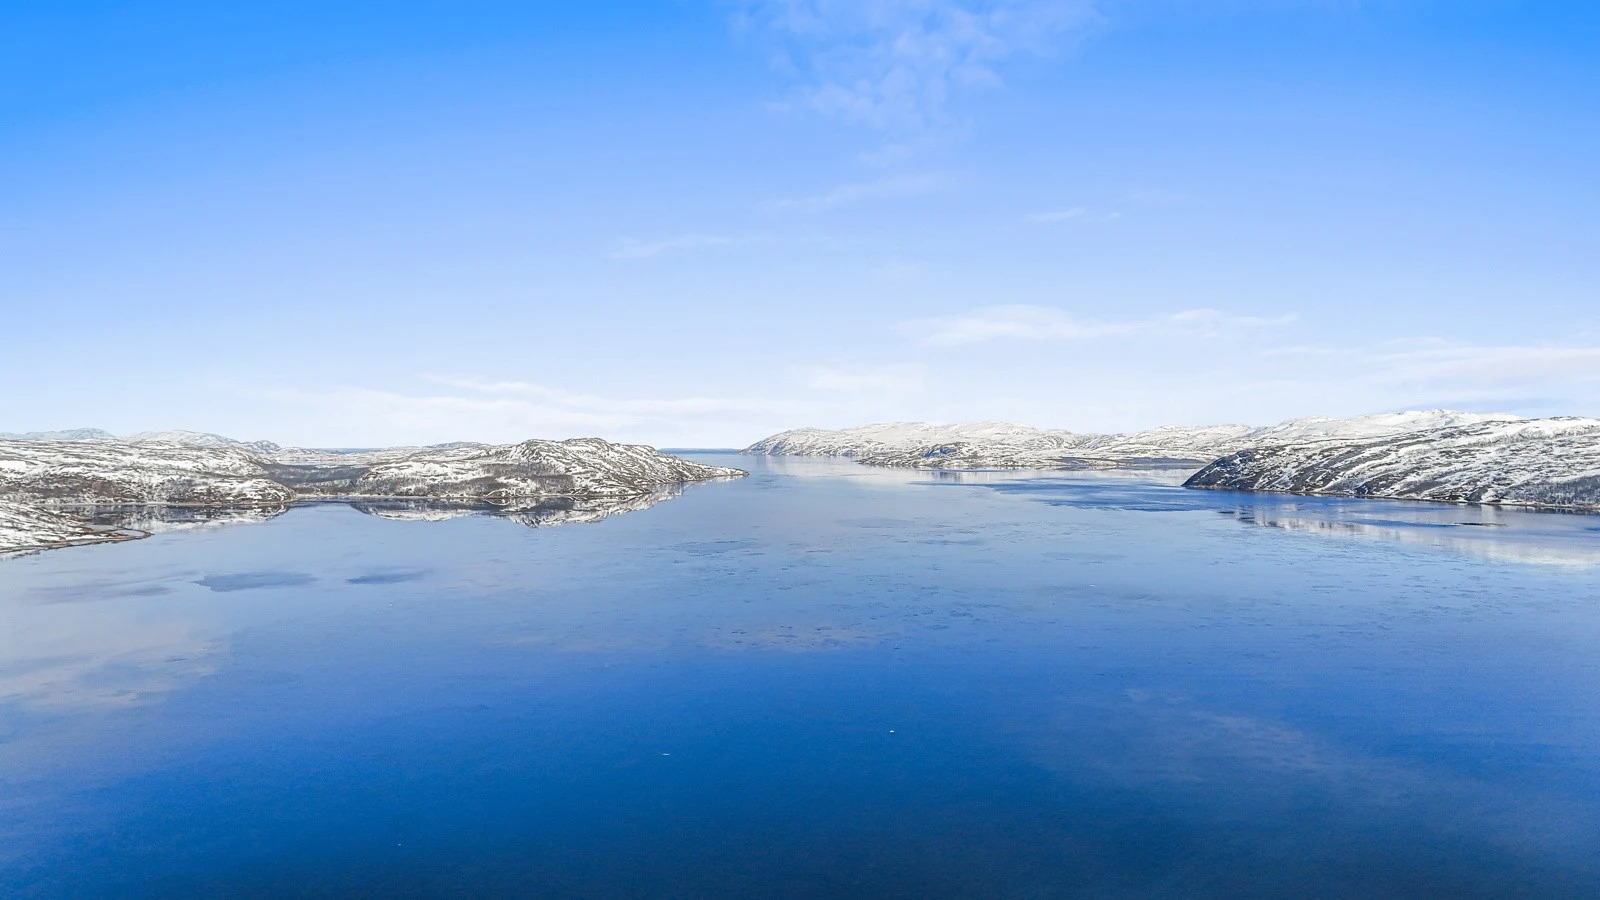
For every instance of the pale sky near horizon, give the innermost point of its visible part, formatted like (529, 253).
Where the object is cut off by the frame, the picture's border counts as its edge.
(698, 222)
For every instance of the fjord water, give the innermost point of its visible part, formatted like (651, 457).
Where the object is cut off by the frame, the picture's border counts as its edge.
(823, 679)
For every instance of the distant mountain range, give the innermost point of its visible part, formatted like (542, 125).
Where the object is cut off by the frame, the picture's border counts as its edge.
(1001, 445)
(71, 434)
(1419, 455)
(179, 437)
(49, 479)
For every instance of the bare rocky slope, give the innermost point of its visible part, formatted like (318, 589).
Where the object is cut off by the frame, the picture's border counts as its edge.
(50, 488)
(1533, 462)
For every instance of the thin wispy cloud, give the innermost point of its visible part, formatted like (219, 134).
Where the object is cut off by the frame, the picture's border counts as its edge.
(597, 405)
(631, 248)
(894, 65)
(1155, 196)
(899, 271)
(910, 184)
(464, 408)
(1499, 365)
(870, 378)
(1440, 364)
(1045, 323)
(1052, 216)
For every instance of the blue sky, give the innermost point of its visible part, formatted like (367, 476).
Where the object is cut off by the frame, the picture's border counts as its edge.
(696, 222)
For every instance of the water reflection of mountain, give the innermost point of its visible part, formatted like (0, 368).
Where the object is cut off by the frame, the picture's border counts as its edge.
(162, 519)
(1484, 532)
(1487, 531)
(533, 514)
(47, 487)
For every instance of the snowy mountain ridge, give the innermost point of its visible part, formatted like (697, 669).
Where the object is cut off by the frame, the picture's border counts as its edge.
(982, 445)
(1534, 462)
(178, 436)
(183, 438)
(70, 434)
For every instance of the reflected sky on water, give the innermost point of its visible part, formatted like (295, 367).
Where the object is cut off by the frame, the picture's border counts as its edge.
(824, 679)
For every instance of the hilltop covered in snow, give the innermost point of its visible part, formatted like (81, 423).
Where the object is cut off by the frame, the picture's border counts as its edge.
(1535, 462)
(999, 445)
(46, 484)
(176, 436)
(70, 434)
(29, 527)
(1418, 455)
(865, 440)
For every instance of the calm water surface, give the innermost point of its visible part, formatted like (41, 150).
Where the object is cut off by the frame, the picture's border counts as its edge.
(821, 680)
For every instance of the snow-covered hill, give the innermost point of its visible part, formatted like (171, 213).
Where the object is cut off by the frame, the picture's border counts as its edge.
(584, 467)
(199, 439)
(1379, 425)
(44, 481)
(1538, 462)
(895, 437)
(70, 434)
(176, 436)
(24, 527)
(122, 472)
(998, 445)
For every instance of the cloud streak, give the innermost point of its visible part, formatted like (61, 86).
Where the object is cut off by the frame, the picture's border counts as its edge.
(1532, 379)
(464, 408)
(1045, 323)
(879, 379)
(894, 65)
(1052, 216)
(593, 404)
(1472, 364)
(631, 248)
(909, 184)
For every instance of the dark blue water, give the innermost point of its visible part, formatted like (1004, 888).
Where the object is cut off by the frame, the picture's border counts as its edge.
(823, 680)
